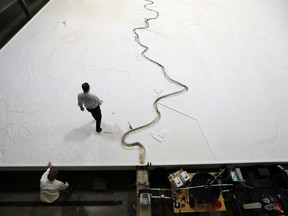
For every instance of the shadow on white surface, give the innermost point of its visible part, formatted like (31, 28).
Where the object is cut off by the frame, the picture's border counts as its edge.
(81, 133)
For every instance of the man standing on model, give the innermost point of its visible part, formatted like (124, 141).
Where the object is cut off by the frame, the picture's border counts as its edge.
(92, 104)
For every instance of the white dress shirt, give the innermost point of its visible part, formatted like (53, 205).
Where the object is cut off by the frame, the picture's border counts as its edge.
(49, 190)
(90, 101)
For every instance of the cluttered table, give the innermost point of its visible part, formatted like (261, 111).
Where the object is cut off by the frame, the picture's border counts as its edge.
(187, 198)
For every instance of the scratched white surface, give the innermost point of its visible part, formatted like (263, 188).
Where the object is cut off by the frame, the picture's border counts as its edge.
(233, 56)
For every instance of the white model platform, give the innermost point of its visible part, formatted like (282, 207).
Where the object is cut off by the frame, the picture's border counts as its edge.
(232, 55)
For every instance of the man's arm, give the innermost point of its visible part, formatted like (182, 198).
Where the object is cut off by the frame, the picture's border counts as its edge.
(80, 103)
(60, 185)
(45, 174)
(98, 100)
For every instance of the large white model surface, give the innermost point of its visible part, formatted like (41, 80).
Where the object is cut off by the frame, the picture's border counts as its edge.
(232, 55)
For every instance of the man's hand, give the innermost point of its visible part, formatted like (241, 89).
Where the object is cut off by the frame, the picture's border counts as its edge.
(82, 108)
(50, 164)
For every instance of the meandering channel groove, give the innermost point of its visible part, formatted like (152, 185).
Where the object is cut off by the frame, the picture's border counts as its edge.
(141, 148)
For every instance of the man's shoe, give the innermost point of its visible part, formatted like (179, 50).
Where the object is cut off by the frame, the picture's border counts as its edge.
(98, 131)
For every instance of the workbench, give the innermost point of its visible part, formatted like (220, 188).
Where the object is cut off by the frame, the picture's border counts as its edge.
(182, 197)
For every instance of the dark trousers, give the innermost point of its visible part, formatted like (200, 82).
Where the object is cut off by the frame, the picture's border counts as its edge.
(96, 113)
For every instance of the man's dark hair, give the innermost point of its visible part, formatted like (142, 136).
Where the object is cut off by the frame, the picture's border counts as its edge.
(52, 174)
(85, 87)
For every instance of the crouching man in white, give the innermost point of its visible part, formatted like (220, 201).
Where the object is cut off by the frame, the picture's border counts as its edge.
(50, 186)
